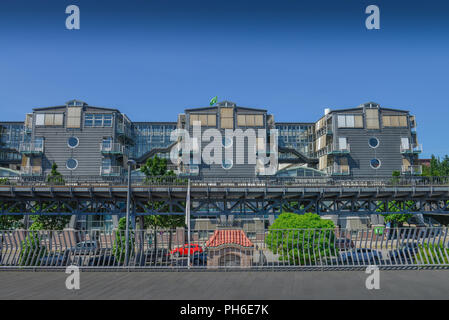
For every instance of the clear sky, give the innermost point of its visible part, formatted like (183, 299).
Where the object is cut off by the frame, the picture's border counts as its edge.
(154, 58)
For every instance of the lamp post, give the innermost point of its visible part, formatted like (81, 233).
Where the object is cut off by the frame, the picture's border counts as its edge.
(128, 205)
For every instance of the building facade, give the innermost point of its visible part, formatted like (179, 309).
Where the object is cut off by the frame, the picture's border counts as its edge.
(85, 140)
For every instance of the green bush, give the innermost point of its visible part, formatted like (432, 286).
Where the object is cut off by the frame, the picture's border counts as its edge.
(301, 239)
(119, 246)
(31, 250)
(432, 254)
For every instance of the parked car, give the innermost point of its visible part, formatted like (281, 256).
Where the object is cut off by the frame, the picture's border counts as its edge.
(200, 259)
(361, 256)
(184, 250)
(344, 244)
(55, 260)
(405, 253)
(103, 261)
(154, 256)
(85, 248)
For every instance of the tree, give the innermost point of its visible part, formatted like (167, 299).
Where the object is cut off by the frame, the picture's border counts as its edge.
(31, 250)
(301, 239)
(119, 246)
(156, 169)
(437, 168)
(9, 222)
(55, 177)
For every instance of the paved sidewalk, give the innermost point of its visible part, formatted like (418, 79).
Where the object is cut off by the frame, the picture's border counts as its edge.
(407, 284)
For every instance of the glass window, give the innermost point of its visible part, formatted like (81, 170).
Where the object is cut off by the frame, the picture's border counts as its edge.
(375, 163)
(373, 142)
(98, 120)
(72, 164)
(73, 142)
(40, 119)
(107, 120)
(88, 120)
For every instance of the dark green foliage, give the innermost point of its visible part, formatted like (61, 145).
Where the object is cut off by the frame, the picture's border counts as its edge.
(396, 219)
(55, 177)
(438, 167)
(301, 239)
(156, 171)
(432, 254)
(31, 250)
(119, 246)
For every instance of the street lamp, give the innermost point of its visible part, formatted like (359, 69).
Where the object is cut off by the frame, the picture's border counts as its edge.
(128, 205)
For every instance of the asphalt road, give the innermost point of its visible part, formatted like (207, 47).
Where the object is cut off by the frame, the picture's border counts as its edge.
(405, 284)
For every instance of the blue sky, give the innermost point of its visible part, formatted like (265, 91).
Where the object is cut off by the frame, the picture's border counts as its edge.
(152, 59)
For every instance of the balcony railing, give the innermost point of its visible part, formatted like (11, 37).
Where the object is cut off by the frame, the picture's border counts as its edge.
(413, 148)
(112, 148)
(338, 170)
(31, 171)
(111, 171)
(338, 150)
(416, 169)
(32, 148)
(190, 170)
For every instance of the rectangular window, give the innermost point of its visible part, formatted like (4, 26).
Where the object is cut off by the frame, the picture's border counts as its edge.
(349, 121)
(372, 118)
(405, 144)
(74, 117)
(107, 120)
(88, 120)
(49, 119)
(394, 121)
(207, 120)
(227, 118)
(342, 143)
(40, 119)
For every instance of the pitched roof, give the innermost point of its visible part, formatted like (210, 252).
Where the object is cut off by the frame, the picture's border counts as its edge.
(229, 236)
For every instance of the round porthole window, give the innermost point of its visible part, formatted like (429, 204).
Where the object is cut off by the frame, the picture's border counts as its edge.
(73, 142)
(373, 142)
(227, 142)
(72, 164)
(375, 163)
(227, 164)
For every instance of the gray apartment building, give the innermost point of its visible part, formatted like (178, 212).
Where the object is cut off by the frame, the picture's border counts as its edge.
(83, 140)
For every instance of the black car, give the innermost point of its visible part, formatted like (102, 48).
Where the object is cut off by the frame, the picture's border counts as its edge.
(405, 254)
(361, 256)
(55, 260)
(103, 261)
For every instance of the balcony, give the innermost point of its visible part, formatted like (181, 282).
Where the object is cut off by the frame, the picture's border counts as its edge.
(411, 149)
(32, 148)
(190, 170)
(337, 170)
(112, 148)
(111, 171)
(413, 170)
(31, 171)
(339, 150)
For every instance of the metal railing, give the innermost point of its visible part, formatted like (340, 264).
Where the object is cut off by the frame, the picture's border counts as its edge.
(414, 169)
(111, 171)
(412, 148)
(117, 178)
(228, 248)
(112, 148)
(32, 147)
(31, 171)
(338, 170)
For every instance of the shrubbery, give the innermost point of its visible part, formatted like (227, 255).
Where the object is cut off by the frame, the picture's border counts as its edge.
(301, 239)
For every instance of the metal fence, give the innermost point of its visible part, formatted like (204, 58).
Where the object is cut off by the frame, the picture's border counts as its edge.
(268, 181)
(226, 249)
